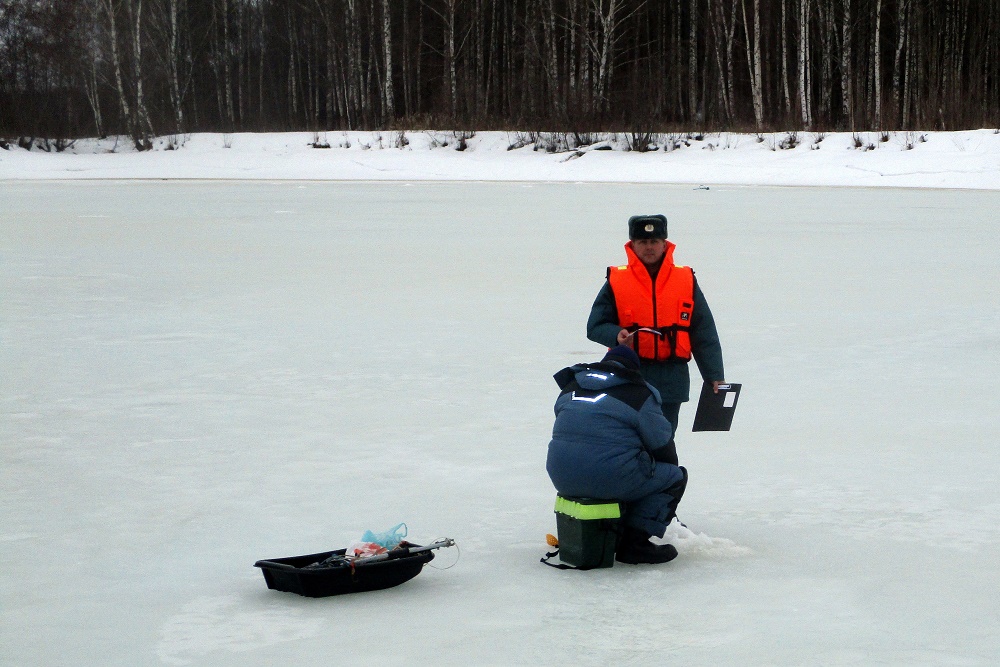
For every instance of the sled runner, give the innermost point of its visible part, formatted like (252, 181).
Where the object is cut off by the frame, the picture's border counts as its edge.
(333, 573)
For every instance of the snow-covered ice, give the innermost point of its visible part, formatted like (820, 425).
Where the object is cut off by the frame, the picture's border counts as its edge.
(200, 374)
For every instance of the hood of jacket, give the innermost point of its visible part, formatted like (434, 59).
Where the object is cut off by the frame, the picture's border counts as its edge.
(598, 376)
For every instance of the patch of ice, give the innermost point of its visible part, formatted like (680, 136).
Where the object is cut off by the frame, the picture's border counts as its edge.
(209, 624)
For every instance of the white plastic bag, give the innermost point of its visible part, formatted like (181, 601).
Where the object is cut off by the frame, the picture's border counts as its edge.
(364, 550)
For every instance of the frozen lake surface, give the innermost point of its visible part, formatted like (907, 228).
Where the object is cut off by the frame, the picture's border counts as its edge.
(196, 376)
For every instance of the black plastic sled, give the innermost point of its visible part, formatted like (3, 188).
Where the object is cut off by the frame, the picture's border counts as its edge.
(329, 573)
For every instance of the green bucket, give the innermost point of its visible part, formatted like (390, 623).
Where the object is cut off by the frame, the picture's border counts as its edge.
(588, 531)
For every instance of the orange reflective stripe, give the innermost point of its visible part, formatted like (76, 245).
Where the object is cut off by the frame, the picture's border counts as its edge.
(666, 307)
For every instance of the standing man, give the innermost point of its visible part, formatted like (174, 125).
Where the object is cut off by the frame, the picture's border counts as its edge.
(657, 309)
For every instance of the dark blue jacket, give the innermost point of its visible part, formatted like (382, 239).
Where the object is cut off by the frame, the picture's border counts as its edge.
(608, 434)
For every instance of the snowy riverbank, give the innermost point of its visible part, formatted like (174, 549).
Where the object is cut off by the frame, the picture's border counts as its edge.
(953, 160)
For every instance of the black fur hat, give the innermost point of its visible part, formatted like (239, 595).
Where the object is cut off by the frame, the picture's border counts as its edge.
(647, 227)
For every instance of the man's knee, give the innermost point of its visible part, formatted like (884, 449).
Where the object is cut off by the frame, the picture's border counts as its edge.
(668, 453)
(676, 490)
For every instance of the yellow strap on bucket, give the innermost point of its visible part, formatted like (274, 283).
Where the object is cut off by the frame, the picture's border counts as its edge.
(584, 512)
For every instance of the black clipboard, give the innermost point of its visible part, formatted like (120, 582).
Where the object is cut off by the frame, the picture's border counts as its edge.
(715, 411)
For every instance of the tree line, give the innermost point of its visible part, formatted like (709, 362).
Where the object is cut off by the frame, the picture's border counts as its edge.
(71, 68)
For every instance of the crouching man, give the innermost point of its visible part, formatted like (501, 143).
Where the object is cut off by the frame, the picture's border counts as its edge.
(611, 442)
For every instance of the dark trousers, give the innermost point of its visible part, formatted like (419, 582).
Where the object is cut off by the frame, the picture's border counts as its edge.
(672, 412)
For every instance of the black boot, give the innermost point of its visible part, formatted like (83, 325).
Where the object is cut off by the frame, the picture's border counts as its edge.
(635, 547)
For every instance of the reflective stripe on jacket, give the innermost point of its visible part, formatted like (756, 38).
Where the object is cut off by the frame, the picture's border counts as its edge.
(665, 309)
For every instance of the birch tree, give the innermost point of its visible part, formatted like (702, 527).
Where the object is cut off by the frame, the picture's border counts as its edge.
(356, 94)
(166, 24)
(785, 87)
(602, 39)
(877, 65)
(222, 60)
(693, 60)
(805, 103)
(140, 97)
(903, 25)
(603, 45)
(827, 38)
(550, 56)
(88, 19)
(128, 115)
(448, 15)
(754, 61)
(846, 70)
(723, 30)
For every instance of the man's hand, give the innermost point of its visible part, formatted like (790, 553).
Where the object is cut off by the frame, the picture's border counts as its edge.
(715, 385)
(623, 336)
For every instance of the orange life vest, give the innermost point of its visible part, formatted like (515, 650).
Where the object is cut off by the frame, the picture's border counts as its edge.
(666, 308)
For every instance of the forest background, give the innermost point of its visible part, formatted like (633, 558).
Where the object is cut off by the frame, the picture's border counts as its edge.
(73, 68)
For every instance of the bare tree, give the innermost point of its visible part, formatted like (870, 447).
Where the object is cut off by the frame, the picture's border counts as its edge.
(550, 57)
(225, 55)
(140, 97)
(723, 30)
(448, 14)
(903, 25)
(608, 18)
(846, 71)
(805, 101)
(693, 60)
(754, 62)
(390, 102)
(827, 32)
(88, 19)
(877, 65)
(135, 115)
(166, 25)
(785, 87)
